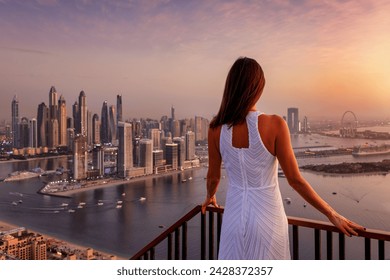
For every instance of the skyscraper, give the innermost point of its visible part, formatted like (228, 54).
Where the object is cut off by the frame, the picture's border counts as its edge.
(113, 124)
(53, 96)
(24, 133)
(181, 151)
(53, 133)
(89, 127)
(155, 135)
(146, 155)
(76, 117)
(198, 128)
(293, 120)
(33, 133)
(119, 114)
(80, 157)
(104, 125)
(95, 129)
(62, 122)
(125, 149)
(15, 121)
(190, 145)
(42, 123)
(171, 155)
(83, 113)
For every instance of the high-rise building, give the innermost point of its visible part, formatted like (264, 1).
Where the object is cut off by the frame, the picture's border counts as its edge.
(95, 129)
(119, 114)
(33, 133)
(125, 149)
(158, 159)
(24, 133)
(198, 128)
(42, 123)
(176, 128)
(190, 145)
(155, 135)
(15, 121)
(172, 113)
(181, 151)
(98, 159)
(146, 155)
(89, 128)
(171, 155)
(83, 112)
(104, 125)
(76, 117)
(293, 120)
(53, 133)
(113, 124)
(53, 99)
(70, 134)
(80, 157)
(62, 122)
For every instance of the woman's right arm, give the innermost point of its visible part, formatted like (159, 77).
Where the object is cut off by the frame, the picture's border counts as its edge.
(288, 163)
(214, 171)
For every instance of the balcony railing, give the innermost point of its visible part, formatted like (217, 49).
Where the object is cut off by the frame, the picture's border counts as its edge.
(173, 242)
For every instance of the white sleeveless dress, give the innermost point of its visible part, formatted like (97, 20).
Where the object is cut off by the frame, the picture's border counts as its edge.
(254, 224)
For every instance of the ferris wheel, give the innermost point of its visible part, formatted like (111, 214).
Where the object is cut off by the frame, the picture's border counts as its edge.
(349, 124)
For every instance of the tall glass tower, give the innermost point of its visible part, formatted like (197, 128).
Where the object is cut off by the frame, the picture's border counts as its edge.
(15, 121)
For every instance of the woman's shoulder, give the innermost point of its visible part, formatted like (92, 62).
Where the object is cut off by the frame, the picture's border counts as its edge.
(274, 120)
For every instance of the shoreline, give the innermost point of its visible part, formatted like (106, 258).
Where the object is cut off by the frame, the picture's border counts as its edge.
(5, 226)
(114, 182)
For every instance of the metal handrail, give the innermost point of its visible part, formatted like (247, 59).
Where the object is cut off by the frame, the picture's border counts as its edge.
(148, 252)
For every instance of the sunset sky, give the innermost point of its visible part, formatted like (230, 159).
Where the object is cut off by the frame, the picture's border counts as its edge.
(324, 57)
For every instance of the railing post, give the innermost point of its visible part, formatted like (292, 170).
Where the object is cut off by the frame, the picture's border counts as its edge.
(367, 248)
(329, 245)
(317, 244)
(341, 246)
(177, 244)
(203, 236)
(219, 226)
(211, 235)
(295, 243)
(152, 254)
(184, 242)
(169, 246)
(381, 249)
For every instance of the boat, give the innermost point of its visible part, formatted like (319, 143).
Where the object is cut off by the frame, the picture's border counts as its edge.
(100, 203)
(190, 178)
(64, 204)
(82, 203)
(371, 150)
(14, 203)
(71, 210)
(118, 206)
(20, 175)
(142, 198)
(281, 173)
(184, 180)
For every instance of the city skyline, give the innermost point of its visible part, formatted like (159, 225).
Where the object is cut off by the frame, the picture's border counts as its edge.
(159, 53)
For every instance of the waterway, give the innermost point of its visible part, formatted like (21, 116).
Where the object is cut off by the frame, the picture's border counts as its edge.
(123, 231)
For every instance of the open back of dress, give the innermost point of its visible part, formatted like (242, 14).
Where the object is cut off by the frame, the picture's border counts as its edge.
(254, 224)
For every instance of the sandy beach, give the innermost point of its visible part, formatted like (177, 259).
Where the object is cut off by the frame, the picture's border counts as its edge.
(4, 226)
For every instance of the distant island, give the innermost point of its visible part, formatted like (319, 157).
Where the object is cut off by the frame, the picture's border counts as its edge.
(382, 167)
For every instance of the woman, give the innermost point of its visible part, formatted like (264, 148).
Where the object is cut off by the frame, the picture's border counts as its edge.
(251, 145)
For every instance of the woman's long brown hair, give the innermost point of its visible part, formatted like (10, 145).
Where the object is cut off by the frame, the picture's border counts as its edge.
(244, 85)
